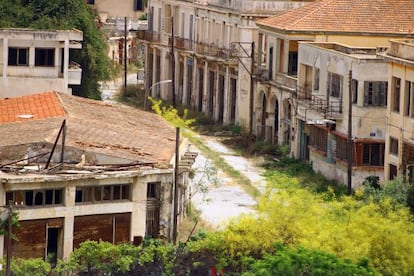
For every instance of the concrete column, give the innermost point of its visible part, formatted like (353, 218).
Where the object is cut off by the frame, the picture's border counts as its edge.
(277, 56)
(285, 56)
(139, 208)
(154, 70)
(5, 57)
(185, 79)
(31, 57)
(65, 63)
(226, 111)
(205, 88)
(68, 226)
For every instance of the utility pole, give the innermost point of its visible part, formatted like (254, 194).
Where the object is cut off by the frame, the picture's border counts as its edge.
(9, 238)
(251, 89)
(176, 167)
(172, 57)
(125, 55)
(349, 144)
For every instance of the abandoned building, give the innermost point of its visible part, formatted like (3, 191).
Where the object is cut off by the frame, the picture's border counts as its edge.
(39, 59)
(302, 91)
(206, 49)
(76, 169)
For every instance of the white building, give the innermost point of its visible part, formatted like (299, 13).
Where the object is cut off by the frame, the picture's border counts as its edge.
(214, 47)
(34, 61)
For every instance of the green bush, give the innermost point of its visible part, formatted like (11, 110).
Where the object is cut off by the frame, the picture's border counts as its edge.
(33, 267)
(301, 261)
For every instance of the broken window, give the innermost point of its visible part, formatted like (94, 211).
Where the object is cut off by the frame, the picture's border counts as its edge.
(396, 89)
(354, 89)
(18, 56)
(36, 197)
(99, 193)
(393, 146)
(334, 85)
(44, 57)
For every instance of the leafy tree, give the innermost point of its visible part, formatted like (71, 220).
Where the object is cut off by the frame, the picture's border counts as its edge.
(65, 14)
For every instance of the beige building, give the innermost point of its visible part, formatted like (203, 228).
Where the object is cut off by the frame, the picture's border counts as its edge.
(117, 9)
(399, 158)
(292, 75)
(213, 47)
(38, 59)
(76, 169)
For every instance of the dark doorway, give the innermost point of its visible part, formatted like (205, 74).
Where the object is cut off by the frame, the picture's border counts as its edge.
(52, 245)
(200, 89)
(221, 98)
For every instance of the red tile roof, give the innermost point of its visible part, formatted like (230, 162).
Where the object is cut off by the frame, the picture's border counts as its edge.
(39, 106)
(356, 16)
(93, 126)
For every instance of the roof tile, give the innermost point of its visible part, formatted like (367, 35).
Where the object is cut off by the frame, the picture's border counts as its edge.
(359, 16)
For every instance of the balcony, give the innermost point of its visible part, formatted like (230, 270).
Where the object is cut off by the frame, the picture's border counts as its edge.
(149, 36)
(74, 74)
(328, 108)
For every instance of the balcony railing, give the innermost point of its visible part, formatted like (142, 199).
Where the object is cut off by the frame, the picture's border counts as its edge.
(149, 36)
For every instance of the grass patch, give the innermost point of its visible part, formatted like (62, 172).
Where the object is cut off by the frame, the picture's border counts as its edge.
(192, 224)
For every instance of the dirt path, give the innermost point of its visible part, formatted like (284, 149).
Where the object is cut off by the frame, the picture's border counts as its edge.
(226, 200)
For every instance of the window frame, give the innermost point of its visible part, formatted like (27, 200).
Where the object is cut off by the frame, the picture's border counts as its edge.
(44, 57)
(375, 93)
(335, 85)
(17, 61)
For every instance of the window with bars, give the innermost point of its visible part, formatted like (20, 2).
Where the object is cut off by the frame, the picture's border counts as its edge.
(318, 138)
(341, 147)
(375, 93)
(373, 154)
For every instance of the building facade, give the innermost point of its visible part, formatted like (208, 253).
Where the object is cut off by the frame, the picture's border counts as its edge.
(299, 82)
(79, 176)
(399, 160)
(210, 58)
(38, 59)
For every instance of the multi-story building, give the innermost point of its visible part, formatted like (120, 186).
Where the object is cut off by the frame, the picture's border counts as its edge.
(210, 58)
(39, 59)
(399, 158)
(72, 175)
(117, 9)
(311, 86)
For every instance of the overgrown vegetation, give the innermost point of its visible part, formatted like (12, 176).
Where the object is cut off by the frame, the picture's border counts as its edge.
(65, 15)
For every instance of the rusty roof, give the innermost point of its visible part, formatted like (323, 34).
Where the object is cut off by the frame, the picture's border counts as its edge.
(353, 16)
(94, 126)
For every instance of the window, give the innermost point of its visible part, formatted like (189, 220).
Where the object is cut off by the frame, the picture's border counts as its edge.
(393, 146)
(92, 2)
(354, 89)
(409, 99)
(373, 154)
(396, 89)
(375, 93)
(138, 5)
(44, 57)
(316, 79)
(334, 85)
(102, 193)
(42, 198)
(293, 63)
(153, 190)
(18, 56)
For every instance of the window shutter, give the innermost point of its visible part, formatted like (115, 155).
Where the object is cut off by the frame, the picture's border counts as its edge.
(366, 92)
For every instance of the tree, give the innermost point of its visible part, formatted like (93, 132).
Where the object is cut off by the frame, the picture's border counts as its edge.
(65, 14)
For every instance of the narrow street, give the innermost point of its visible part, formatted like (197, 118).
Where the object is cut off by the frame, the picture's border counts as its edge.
(223, 199)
